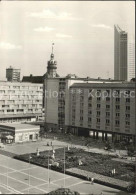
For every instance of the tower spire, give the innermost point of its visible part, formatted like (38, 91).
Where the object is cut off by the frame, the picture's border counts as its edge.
(52, 47)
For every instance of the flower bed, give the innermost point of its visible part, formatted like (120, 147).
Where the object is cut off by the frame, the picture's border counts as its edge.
(98, 163)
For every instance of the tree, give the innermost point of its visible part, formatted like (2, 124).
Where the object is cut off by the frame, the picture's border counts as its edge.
(130, 150)
(41, 133)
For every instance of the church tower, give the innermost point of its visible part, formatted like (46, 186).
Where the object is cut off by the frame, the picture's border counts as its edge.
(52, 66)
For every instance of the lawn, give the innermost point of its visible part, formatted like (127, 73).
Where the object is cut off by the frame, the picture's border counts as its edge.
(92, 162)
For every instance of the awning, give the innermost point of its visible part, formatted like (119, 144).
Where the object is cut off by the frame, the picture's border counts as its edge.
(9, 137)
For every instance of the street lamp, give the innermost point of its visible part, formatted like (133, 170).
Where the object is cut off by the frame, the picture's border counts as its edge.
(7, 173)
(64, 166)
(29, 173)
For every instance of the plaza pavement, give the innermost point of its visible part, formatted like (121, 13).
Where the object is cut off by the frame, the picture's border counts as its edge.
(31, 147)
(17, 177)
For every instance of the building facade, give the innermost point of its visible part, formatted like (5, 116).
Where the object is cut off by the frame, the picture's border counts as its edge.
(13, 74)
(70, 108)
(131, 61)
(120, 54)
(20, 102)
(103, 110)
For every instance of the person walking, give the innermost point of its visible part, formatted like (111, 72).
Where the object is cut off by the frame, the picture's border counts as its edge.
(92, 180)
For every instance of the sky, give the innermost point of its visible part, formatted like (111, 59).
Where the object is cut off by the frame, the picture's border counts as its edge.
(82, 31)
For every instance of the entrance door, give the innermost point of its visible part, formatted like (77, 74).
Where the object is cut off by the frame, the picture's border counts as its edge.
(30, 137)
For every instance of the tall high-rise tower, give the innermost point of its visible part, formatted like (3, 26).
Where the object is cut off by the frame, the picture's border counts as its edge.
(131, 60)
(120, 54)
(13, 74)
(52, 66)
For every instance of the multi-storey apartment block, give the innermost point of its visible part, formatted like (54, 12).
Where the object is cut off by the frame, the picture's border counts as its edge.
(103, 110)
(79, 106)
(20, 102)
(13, 74)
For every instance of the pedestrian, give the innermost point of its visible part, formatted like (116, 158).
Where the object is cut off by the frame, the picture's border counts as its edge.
(92, 180)
(51, 143)
(49, 180)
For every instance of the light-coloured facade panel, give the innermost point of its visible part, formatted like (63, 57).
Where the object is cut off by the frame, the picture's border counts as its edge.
(20, 101)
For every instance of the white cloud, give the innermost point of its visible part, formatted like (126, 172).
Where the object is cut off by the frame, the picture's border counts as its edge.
(63, 35)
(8, 46)
(43, 14)
(50, 14)
(44, 29)
(101, 26)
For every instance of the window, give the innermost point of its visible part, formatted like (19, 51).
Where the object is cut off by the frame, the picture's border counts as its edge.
(81, 98)
(98, 113)
(98, 120)
(90, 105)
(127, 92)
(127, 115)
(127, 99)
(107, 99)
(128, 123)
(10, 110)
(89, 112)
(107, 106)
(98, 93)
(117, 114)
(127, 107)
(81, 118)
(90, 98)
(117, 107)
(81, 104)
(90, 90)
(107, 121)
(98, 105)
(117, 99)
(81, 111)
(5, 106)
(73, 110)
(117, 122)
(98, 99)
(73, 98)
(89, 119)
(107, 113)
(20, 110)
(117, 92)
(108, 92)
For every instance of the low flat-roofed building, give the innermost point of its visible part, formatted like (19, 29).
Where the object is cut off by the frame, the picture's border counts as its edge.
(19, 132)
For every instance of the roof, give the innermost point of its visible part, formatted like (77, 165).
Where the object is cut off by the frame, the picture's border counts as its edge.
(120, 30)
(103, 85)
(20, 126)
(33, 79)
(19, 115)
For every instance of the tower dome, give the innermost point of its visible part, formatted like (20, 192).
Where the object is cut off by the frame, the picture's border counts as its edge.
(52, 65)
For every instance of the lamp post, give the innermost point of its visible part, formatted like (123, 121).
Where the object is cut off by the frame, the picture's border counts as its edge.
(7, 173)
(64, 166)
(48, 169)
(29, 173)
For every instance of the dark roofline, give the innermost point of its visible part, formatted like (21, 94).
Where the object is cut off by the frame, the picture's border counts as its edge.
(103, 85)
